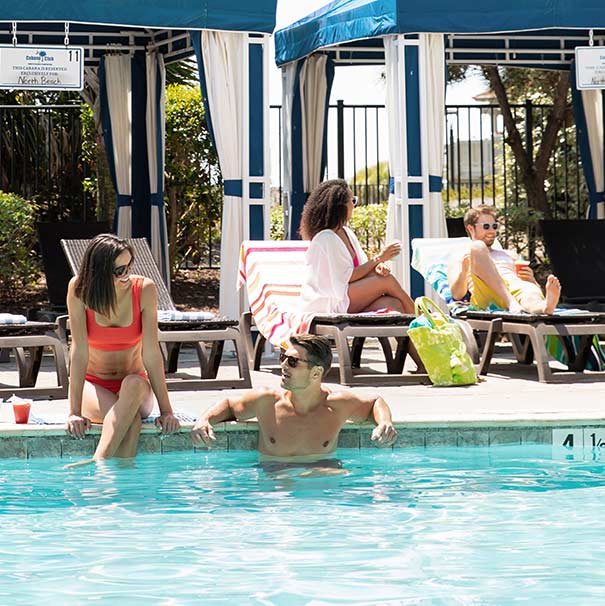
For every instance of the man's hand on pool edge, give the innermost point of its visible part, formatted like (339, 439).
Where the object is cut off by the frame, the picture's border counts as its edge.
(202, 432)
(384, 434)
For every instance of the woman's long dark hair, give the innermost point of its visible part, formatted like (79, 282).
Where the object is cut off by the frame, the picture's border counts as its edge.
(326, 208)
(94, 284)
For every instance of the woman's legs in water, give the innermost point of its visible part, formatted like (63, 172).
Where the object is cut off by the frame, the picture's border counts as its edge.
(375, 292)
(120, 414)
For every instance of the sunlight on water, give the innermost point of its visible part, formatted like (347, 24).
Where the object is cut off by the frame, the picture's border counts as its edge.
(436, 526)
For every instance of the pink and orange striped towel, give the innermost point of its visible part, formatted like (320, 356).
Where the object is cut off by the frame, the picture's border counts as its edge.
(272, 271)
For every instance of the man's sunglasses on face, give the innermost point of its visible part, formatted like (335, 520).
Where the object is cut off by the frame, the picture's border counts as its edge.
(494, 225)
(121, 270)
(292, 361)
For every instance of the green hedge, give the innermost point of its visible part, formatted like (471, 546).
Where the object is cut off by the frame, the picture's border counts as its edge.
(19, 266)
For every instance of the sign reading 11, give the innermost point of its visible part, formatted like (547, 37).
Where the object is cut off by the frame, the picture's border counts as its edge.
(74, 55)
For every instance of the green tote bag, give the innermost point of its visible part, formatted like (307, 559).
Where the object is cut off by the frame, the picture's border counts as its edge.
(439, 343)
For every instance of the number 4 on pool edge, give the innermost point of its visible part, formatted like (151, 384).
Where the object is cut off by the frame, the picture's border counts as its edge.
(568, 442)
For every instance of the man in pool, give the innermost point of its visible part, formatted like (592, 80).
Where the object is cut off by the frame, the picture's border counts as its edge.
(301, 422)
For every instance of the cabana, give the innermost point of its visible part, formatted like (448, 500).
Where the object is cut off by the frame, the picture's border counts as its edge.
(414, 39)
(130, 44)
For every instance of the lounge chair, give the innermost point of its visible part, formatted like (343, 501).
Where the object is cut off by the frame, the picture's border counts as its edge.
(576, 251)
(173, 333)
(28, 340)
(271, 271)
(528, 333)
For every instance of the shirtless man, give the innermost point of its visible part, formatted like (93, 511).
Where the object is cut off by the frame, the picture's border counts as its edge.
(301, 421)
(489, 273)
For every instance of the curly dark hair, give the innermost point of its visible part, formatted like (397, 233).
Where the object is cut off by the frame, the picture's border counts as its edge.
(326, 208)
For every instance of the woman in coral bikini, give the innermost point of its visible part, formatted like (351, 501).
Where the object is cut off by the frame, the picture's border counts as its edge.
(339, 277)
(116, 362)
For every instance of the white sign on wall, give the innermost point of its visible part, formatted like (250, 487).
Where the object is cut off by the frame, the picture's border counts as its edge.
(42, 67)
(590, 67)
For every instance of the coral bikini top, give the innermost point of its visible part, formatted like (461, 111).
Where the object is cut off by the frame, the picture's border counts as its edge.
(117, 338)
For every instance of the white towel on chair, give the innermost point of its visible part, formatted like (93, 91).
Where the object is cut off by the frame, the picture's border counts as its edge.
(12, 319)
(172, 315)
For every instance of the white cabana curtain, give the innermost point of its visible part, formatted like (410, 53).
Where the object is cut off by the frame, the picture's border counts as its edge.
(394, 229)
(288, 81)
(224, 66)
(592, 100)
(429, 80)
(118, 80)
(432, 95)
(156, 131)
(313, 86)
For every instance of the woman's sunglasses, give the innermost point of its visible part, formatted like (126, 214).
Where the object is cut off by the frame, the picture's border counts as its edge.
(355, 200)
(122, 270)
(292, 361)
(490, 225)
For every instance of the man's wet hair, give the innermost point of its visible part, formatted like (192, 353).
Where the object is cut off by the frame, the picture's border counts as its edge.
(472, 214)
(317, 348)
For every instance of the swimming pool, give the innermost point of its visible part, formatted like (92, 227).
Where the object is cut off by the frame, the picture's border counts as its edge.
(413, 526)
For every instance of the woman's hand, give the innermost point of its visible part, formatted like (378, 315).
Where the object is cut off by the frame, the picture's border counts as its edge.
(389, 251)
(77, 425)
(526, 274)
(168, 423)
(382, 270)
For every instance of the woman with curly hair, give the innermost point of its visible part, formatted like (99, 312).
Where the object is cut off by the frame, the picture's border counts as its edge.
(116, 363)
(339, 276)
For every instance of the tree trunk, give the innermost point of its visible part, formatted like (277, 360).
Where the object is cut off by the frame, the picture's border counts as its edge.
(533, 172)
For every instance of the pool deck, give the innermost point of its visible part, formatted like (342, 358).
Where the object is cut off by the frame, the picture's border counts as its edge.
(509, 406)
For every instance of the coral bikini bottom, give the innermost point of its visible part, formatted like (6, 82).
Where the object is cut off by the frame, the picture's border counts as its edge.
(114, 385)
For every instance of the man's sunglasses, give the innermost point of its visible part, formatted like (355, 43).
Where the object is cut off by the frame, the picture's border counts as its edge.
(122, 270)
(293, 361)
(490, 225)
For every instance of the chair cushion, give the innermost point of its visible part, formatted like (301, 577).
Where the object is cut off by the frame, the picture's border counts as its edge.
(12, 319)
(172, 315)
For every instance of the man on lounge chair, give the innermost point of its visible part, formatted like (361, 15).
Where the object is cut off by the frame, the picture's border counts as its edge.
(489, 274)
(301, 421)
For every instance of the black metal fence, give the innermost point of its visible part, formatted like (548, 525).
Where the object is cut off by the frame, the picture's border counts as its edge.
(479, 166)
(41, 158)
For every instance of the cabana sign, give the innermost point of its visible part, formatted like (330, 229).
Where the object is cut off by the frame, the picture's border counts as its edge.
(590, 67)
(41, 67)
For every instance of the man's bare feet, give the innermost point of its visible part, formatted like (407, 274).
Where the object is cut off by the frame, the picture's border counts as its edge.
(553, 292)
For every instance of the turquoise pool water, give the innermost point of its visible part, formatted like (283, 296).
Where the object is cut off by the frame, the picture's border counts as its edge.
(474, 526)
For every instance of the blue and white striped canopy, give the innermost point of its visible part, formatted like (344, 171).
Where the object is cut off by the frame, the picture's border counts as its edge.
(131, 23)
(346, 21)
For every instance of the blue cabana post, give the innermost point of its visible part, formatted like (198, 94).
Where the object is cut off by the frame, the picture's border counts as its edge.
(131, 46)
(415, 39)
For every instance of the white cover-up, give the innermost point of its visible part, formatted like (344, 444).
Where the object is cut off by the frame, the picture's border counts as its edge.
(328, 268)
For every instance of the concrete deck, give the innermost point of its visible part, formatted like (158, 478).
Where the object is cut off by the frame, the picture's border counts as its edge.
(509, 406)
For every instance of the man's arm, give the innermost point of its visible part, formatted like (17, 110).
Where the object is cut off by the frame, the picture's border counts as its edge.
(364, 409)
(229, 409)
(457, 276)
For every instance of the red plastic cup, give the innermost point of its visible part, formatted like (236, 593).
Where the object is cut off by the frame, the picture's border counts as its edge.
(21, 411)
(519, 265)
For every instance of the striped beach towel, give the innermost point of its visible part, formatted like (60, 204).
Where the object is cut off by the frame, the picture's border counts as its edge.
(272, 272)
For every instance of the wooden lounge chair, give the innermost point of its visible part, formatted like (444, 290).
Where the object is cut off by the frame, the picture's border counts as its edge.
(172, 334)
(272, 271)
(28, 341)
(526, 332)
